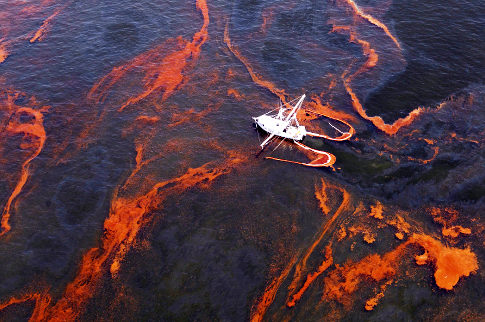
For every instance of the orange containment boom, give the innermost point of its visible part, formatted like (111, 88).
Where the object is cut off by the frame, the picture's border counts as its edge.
(323, 159)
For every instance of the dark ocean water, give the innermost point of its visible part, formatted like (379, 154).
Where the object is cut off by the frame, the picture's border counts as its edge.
(131, 188)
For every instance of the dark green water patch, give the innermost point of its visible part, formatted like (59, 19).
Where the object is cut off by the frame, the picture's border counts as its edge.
(124, 34)
(439, 170)
(403, 172)
(470, 191)
(352, 163)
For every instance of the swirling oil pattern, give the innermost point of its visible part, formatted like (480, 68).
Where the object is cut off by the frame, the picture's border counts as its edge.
(133, 187)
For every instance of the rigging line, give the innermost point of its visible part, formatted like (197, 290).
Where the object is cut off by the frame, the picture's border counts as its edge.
(271, 111)
(278, 145)
(335, 127)
(286, 105)
(257, 131)
(292, 102)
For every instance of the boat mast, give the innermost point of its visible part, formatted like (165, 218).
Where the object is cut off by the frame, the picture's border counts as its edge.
(297, 106)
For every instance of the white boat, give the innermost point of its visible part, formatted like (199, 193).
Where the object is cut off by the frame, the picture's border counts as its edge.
(282, 122)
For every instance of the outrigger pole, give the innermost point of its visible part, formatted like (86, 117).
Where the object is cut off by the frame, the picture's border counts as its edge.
(267, 140)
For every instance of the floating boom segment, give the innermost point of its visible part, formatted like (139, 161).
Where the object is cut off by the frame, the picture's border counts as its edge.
(323, 159)
(344, 136)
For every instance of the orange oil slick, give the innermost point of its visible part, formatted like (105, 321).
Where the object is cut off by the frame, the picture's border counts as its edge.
(147, 119)
(317, 106)
(373, 21)
(401, 225)
(455, 231)
(450, 263)
(342, 282)
(192, 116)
(268, 15)
(234, 92)
(41, 303)
(376, 210)
(127, 216)
(3, 52)
(142, 122)
(422, 259)
(321, 195)
(368, 51)
(342, 233)
(372, 60)
(436, 150)
(378, 122)
(320, 110)
(454, 136)
(263, 303)
(311, 277)
(371, 303)
(163, 72)
(41, 33)
(29, 123)
(369, 238)
(435, 153)
(447, 217)
(254, 76)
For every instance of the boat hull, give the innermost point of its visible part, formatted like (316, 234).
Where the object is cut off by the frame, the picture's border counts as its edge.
(280, 128)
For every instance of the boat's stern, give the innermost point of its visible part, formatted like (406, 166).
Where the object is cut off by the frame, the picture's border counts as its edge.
(297, 133)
